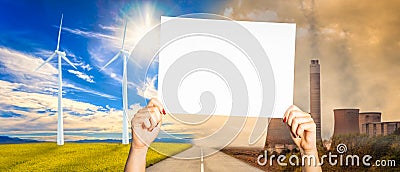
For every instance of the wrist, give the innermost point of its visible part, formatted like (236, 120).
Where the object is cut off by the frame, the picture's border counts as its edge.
(139, 146)
(140, 149)
(312, 151)
(139, 152)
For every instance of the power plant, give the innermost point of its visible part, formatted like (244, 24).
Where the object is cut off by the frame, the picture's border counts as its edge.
(368, 117)
(278, 134)
(351, 121)
(346, 121)
(315, 95)
(381, 128)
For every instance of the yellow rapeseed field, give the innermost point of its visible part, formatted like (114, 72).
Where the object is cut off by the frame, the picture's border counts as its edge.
(76, 156)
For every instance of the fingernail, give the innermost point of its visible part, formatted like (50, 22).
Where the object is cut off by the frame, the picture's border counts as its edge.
(163, 111)
(284, 119)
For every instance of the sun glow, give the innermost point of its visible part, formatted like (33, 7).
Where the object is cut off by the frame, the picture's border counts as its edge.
(140, 20)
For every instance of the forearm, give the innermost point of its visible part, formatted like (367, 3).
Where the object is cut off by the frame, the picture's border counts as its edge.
(314, 165)
(136, 159)
(145, 128)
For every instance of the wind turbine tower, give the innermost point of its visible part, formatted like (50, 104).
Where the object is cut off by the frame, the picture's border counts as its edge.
(60, 55)
(125, 54)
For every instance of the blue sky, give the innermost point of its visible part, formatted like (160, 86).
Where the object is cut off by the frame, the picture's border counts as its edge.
(31, 27)
(91, 35)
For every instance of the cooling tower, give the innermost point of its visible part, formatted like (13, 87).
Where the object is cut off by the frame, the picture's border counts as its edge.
(315, 95)
(367, 117)
(278, 134)
(346, 121)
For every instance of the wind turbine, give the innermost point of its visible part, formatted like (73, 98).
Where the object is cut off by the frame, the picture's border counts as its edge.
(125, 54)
(61, 55)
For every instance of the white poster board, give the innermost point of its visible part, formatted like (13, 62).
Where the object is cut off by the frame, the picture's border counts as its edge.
(203, 85)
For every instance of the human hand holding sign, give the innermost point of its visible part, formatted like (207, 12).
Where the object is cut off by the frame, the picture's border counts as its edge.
(302, 128)
(147, 122)
(146, 125)
(303, 131)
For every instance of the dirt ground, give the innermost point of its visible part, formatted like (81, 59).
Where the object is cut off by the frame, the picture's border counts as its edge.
(249, 155)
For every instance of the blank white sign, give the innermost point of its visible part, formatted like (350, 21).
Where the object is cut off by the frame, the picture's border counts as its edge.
(203, 85)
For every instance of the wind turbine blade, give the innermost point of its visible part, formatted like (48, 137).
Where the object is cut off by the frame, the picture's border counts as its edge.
(59, 32)
(113, 59)
(136, 63)
(52, 55)
(123, 40)
(66, 59)
(128, 54)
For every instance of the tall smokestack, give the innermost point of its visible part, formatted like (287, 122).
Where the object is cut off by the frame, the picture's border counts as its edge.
(315, 95)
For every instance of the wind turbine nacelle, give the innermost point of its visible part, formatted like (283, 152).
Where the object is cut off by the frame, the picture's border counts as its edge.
(61, 53)
(125, 52)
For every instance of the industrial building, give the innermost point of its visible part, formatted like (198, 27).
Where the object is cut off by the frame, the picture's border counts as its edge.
(380, 128)
(351, 121)
(346, 121)
(368, 117)
(278, 136)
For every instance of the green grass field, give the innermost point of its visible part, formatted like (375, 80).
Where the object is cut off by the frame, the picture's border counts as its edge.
(76, 156)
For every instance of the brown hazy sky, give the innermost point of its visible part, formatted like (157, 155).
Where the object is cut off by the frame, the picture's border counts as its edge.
(356, 41)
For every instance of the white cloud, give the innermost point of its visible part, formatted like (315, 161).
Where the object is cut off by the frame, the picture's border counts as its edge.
(90, 91)
(113, 75)
(31, 121)
(21, 67)
(133, 110)
(86, 67)
(228, 12)
(109, 28)
(147, 88)
(83, 76)
(19, 64)
(43, 53)
(89, 34)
